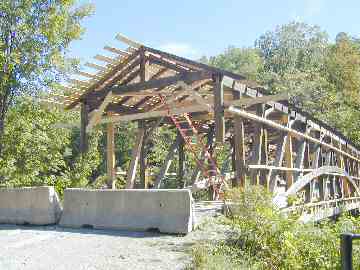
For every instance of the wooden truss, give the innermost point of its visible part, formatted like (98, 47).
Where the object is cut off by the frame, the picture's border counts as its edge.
(273, 144)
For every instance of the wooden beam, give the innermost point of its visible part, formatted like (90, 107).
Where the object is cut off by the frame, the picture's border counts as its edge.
(167, 64)
(131, 174)
(187, 77)
(143, 176)
(279, 157)
(181, 165)
(142, 159)
(96, 117)
(257, 147)
(108, 78)
(117, 51)
(95, 66)
(193, 64)
(246, 102)
(110, 155)
(292, 132)
(88, 75)
(156, 114)
(167, 162)
(210, 139)
(83, 125)
(128, 41)
(106, 59)
(239, 148)
(219, 110)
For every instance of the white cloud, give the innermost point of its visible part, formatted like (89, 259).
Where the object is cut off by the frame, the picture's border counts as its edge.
(181, 49)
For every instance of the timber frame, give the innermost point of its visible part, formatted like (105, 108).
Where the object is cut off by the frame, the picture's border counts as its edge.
(273, 143)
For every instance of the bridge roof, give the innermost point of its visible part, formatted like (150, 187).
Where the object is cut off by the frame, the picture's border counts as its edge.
(139, 80)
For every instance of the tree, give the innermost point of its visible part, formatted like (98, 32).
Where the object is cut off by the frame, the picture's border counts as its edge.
(34, 36)
(293, 56)
(341, 109)
(245, 61)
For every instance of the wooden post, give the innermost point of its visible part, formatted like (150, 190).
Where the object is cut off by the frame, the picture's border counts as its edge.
(279, 157)
(143, 175)
(142, 159)
(181, 161)
(219, 109)
(257, 147)
(110, 155)
(239, 148)
(130, 181)
(84, 122)
(264, 159)
(289, 161)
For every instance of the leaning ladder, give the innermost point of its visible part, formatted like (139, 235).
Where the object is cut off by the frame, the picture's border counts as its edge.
(187, 130)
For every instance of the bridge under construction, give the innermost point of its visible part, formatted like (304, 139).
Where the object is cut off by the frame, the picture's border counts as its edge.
(271, 142)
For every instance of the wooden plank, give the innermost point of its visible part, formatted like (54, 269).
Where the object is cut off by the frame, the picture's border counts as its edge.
(107, 79)
(130, 181)
(88, 75)
(106, 59)
(95, 66)
(128, 41)
(83, 125)
(110, 155)
(219, 110)
(116, 50)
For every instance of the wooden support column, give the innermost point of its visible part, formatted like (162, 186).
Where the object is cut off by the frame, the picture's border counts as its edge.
(130, 181)
(110, 155)
(83, 134)
(142, 158)
(289, 161)
(143, 174)
(167, 162)
(239, 148)
(279, 156)
(181, 165)
(316, 163)
(219, 109)
(257, 147)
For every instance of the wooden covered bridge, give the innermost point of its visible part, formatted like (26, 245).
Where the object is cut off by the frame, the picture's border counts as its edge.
(272, 143)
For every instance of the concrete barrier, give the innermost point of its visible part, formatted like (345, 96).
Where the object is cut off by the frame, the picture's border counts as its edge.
(169, 211)
(29, 205)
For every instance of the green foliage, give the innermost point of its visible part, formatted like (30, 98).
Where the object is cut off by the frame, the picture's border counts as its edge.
(263, 238)
(34, 37)
(36, 153)
(246, 61)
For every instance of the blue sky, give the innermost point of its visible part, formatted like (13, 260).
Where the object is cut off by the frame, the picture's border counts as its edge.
(193, 28)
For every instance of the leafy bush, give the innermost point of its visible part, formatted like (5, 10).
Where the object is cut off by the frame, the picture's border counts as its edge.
(263, 238)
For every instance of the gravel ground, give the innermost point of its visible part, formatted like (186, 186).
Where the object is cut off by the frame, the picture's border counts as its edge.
(56, 248)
